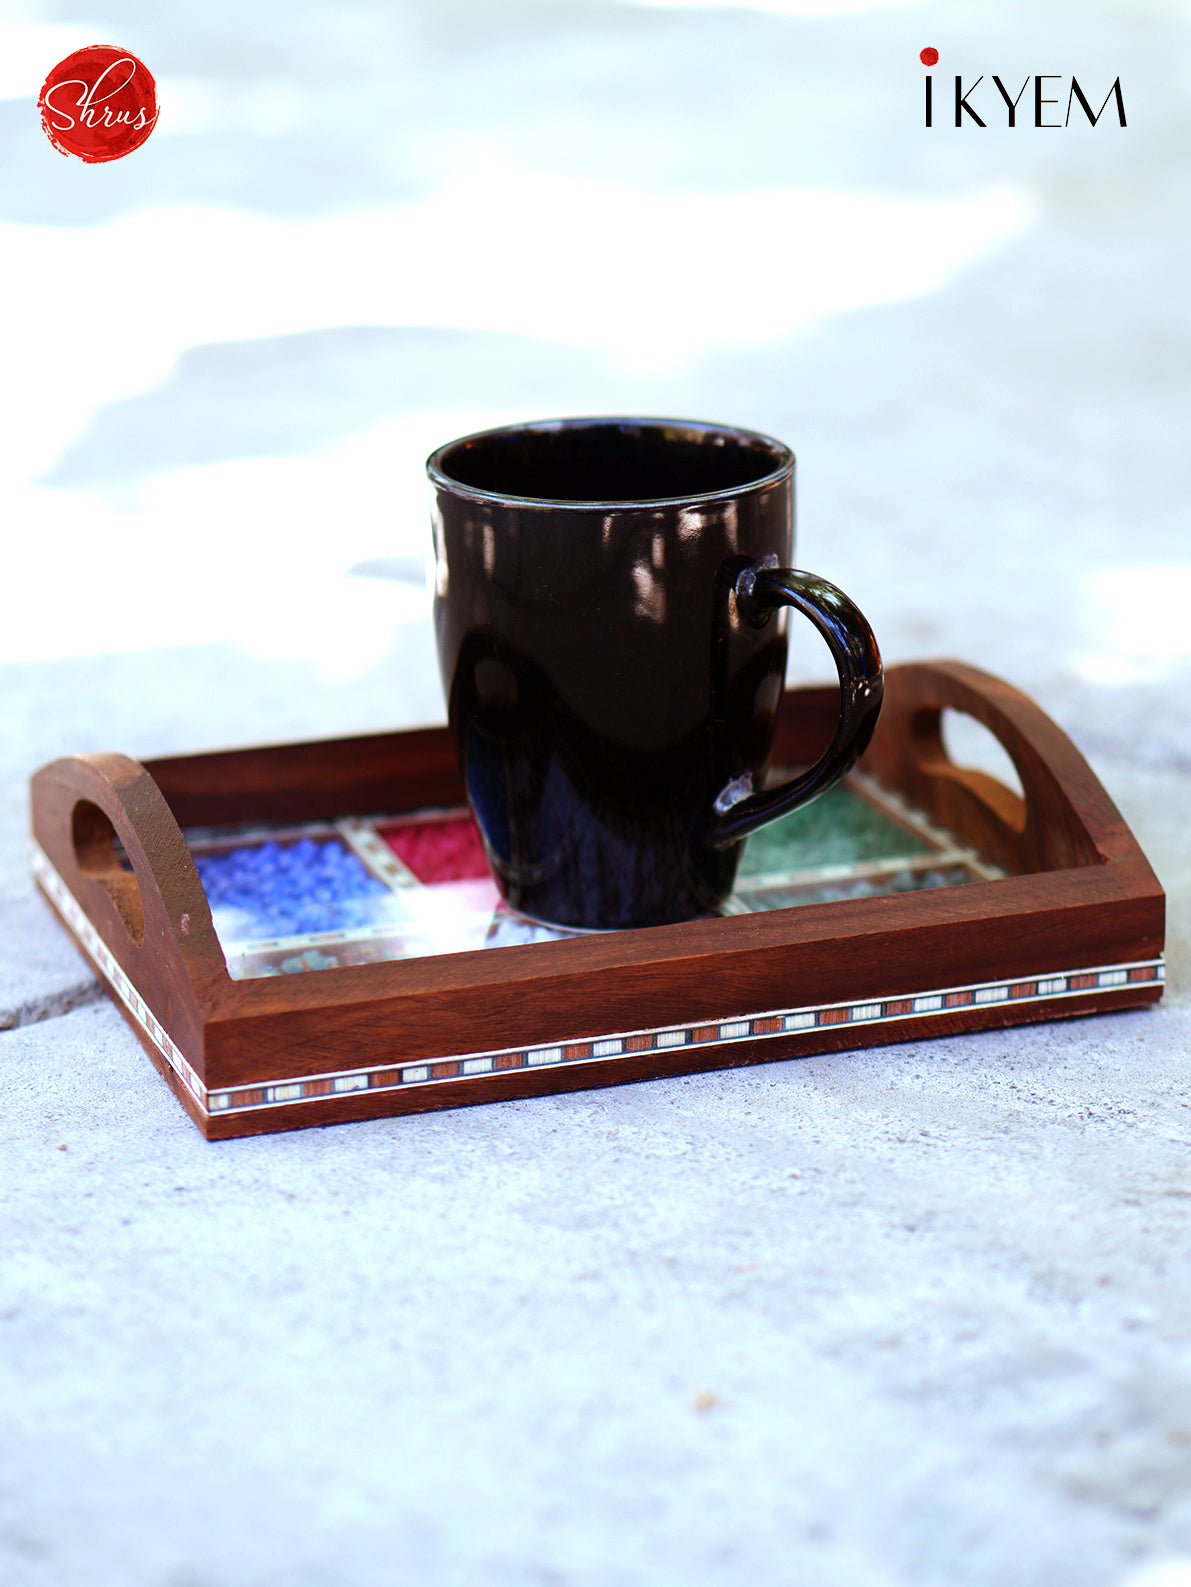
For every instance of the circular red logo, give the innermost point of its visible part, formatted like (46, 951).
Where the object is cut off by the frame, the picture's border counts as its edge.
(99, 103)
(929, 56)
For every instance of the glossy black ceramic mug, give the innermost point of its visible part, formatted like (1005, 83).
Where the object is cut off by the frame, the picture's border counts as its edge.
(608, 613)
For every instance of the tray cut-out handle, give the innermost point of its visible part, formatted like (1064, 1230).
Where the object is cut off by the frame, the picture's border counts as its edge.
(154, 916)
(1044, 828)
(97, 857)
(996, 775)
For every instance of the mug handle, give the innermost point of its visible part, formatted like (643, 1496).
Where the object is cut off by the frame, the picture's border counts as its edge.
(760, 591)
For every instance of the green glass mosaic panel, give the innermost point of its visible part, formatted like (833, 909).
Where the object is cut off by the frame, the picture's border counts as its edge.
(840, 828)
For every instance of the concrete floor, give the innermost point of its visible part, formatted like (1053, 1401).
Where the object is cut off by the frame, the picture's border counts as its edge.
(916, 1315)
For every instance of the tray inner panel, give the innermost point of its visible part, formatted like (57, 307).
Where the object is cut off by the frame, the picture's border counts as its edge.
(381, 887)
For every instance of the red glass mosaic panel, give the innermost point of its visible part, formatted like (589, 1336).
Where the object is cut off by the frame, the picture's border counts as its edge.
(437, 851)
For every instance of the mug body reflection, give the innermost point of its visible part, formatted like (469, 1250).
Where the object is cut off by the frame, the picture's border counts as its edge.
(611, 684)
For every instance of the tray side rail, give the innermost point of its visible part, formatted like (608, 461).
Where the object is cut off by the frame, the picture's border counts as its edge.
(374, 774)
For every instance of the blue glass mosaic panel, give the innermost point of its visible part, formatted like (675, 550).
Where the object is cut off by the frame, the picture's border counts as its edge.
(270, 889)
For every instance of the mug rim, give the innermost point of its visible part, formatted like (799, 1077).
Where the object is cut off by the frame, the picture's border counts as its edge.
(439, 476)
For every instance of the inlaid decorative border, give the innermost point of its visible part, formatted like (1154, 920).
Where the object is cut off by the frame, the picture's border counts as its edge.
(673, 1038)
(1045, 988)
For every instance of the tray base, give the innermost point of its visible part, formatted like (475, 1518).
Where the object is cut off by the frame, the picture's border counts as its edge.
(1059, 916)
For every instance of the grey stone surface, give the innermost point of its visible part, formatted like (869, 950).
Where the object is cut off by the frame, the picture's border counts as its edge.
(908, 1316)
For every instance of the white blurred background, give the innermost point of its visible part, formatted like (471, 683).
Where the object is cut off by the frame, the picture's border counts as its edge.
(359, 229)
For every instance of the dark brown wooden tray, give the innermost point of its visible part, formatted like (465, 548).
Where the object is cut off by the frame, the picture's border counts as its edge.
(1075, 927)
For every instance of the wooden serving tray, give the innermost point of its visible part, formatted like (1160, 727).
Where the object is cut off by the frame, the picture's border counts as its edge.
(1064, 917)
